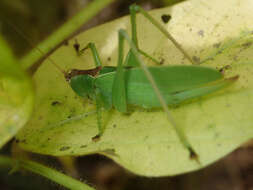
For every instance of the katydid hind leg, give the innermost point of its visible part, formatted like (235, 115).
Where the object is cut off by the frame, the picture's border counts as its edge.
(178, 130)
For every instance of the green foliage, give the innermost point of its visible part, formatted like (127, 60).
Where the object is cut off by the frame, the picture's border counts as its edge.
(42, 170)
(16, 95)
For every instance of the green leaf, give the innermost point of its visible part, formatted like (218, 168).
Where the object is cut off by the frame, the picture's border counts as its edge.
(16, 95)
(215, 33)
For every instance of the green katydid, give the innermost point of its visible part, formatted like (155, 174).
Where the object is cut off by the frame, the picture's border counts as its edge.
(151, 87)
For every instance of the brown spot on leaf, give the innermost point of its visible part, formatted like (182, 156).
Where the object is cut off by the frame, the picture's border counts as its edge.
(247, 44)
(196, 59)
(83, 146)
(76, 46)
(166, 18)
(64, 148)
(201, 33)
(216, 45)
(55, 103)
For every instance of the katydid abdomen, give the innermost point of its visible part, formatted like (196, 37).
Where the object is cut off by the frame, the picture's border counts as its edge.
(176, 84)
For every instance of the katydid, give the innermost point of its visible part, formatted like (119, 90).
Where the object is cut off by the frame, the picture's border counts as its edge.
(135, 84)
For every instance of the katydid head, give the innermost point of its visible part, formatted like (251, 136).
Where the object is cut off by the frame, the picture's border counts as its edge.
(82, 85)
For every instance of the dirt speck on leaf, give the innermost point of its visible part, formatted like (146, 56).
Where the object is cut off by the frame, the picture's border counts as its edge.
(165, 18)
(64, 148)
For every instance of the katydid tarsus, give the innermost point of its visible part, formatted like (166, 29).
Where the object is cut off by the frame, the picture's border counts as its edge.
(132, 83)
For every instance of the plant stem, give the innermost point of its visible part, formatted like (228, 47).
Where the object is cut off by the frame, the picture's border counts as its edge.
(42, 170)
